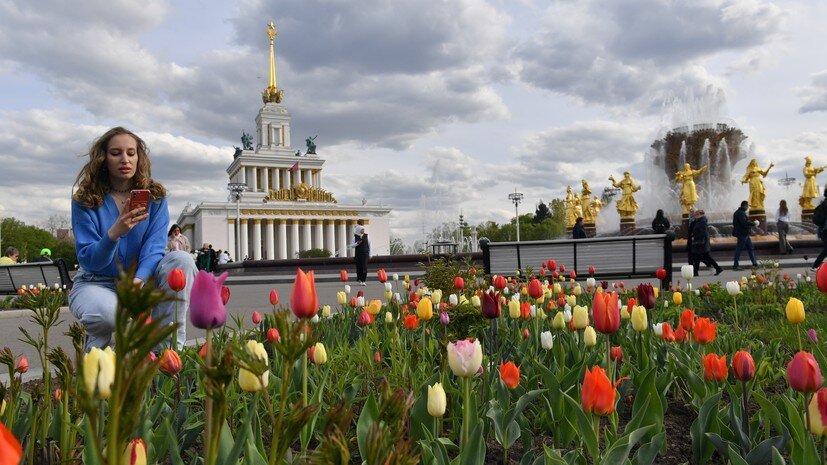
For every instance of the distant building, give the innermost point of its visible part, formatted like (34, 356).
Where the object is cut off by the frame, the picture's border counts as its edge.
(284, 209)
(65, 235)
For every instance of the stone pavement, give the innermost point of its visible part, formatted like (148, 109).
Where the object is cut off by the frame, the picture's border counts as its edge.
(249, 294)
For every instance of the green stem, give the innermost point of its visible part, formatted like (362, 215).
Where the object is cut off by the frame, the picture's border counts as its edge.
(466, 411)
(285, 381)
(306, 428)
(735, 303)
(745, 409)
(798, 332)
(175, 334)
(807, 412)
(596, 424)
(208, 426)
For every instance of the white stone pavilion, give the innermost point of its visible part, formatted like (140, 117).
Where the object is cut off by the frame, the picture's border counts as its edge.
(284, 209)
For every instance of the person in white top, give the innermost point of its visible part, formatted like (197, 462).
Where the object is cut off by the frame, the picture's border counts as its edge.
(223, 257)
(783, 224)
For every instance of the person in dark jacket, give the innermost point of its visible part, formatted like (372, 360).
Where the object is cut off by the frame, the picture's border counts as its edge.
(45, 256)
(690, 255)
(660, 224)
(578, 231)
(741, 229)
(822, 233)
(362, 253)
(701, 246)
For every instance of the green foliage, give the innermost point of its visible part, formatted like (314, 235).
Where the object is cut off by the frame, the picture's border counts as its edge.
(315, 253)
(440, 274)
(533, 227)
(29, 240)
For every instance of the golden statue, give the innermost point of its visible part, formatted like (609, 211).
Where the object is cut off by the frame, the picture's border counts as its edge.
(578, 207)
(810, 187)
(689, 194)
(626, 206)
(570, 216)
(597, 204)
(754, 176)
(586, 203)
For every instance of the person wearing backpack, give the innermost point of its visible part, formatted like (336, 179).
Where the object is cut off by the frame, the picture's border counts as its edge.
(819, 217)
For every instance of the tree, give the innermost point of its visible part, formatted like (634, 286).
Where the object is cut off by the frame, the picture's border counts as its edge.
(55, 222)
(541, 213)
(29, 240)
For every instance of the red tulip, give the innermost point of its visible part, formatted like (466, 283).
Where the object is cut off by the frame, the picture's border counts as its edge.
(416, 282)
(170, 363)
(616, 353)
(535, 288)
(551, 264)
(803, 373)
(257, 318)
(525, 310)
(598, 396)
(821, 278)
(606, 313)
(743, 367)
(668, 335)
(202, 352)
(343, 275)
(715, 367)
(688, 319)
(273, 336)
(525, 333)
(176, 280)
(510, 374)
(22, 365)
(705, 331)
(499, 282)
(630, 304)
(660, 274)
(381, 275)
(11, 452)
(681, 335)
(411, 321)
(225, 294)
(360, 293)
(591, 270)
(364, 318)
(354, 302)
(562, 268)
(459, 283)
(311, 352)
(491, 305)
(377, 357)
(303, 300)
(274, 297)
(646, 295)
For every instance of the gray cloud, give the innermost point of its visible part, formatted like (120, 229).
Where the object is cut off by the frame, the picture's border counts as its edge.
(814, 96)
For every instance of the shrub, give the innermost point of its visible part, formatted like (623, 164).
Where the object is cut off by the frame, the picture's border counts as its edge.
(315, 253)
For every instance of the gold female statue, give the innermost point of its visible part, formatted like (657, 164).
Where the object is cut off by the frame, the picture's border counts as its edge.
(689, 194)
(626, 206)
(810, 186)
(754, 176)
(570, 215)
(586, 203)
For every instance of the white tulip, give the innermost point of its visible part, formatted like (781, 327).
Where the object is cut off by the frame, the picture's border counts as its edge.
(658, 329)
(347, 288)
(688, 272)
(697, 292)
(533, 311)
(315, 318)
(733, 288)
(397, 297)
(590, 282)
(546, 340)
(396, 276)
(388, 286)
(360, 301)
(567, 314)
(452, 299)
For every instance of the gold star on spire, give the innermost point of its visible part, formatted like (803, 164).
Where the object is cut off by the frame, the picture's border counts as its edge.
(272, 94)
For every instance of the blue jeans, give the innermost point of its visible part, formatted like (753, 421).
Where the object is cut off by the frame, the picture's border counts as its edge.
(743, 242)
(93, 301)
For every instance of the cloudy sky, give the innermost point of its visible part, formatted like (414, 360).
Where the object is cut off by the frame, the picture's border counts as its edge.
(430, 107)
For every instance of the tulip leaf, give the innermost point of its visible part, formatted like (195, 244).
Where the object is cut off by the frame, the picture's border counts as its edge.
(735, 458)
(524, 401)
(702, 448)
(89, 455)
(172, 441)
(551, 457)
(586, 427)
(738, 430)
(369, 415)
(762, 453)
(648, 406)
(473, 453)
(648, 452)
(772, 414)
(229, 450)
(777, 459)
(619, 450)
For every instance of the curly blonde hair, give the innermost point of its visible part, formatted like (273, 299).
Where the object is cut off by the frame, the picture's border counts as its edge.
(93, 180)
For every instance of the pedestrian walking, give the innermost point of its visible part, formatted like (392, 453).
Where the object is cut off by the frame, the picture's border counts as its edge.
(783, 226)
(741, 229)
(701, 245)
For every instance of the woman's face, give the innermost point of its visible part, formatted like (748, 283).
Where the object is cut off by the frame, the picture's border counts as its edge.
(176, 232)
(122, 157)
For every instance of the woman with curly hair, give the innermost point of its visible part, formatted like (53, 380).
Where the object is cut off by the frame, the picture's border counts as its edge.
(109, 235)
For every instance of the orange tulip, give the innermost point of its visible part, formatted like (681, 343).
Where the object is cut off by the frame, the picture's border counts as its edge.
(176, 280)
(743, 367)
(11, 452)
(303, 300)
(381, 275)
(598, 394)
(274, 297)
(510, 374)
(705, 331)
(170, 363)
(411, 321)
(606, 312)
(343, 275)
(803, 373)
(688, 319)
(668, 335)
(681, 335)
(715, 367)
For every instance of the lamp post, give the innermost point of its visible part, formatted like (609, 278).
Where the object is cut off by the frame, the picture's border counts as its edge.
(516, 197)
(236, 188)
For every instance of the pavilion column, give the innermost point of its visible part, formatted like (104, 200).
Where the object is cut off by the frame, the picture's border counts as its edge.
(306, 244)
(265, 179)
(245, 250)
(330, 237)
(256, 239)
(350, 224)
(341, 235)
(282, 239)
(318, 234)
(255, 186)
(270, 248)
(231, 250)
(294, 238)
(243, 175)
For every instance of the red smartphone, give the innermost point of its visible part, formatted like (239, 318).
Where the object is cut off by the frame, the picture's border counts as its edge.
(139, 198)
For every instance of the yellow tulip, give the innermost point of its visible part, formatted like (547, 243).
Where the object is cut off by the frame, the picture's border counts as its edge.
(425, 309)
(319, 354)
(580, 317)
(463, 300)
(540, 300)
(557, 289)
(656, 291)
(248, 381)
(475, 301)
(388, 295)
(388, 317)
(374, 306)
(677, 298)
(624, 313)
(407, 278)
(514, 309)
(571, 300)
(436, 296)
(577, 290)
(341, 297)
(326, 311)
(99, 372)
(541, 313)
(598, 290)
(639, 319)
(795, 311)
(436, 400)
(559, 322)
(589, 336)
(135, 453)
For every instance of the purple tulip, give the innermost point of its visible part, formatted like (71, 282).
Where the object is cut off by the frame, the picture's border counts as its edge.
(811, 333)
(444, 319)
(646, 296)
(206, 305)
(491, 305)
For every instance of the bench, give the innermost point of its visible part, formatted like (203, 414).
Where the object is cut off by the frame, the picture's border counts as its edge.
(12, 277)
(613, 257)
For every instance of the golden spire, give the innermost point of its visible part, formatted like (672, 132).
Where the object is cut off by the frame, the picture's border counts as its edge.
(272, 94)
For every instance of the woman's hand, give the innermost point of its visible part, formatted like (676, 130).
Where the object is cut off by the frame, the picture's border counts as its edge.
(127, 221)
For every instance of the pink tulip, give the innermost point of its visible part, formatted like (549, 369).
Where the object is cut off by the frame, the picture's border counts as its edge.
(257, 318)
(274, 297)
(206, 301)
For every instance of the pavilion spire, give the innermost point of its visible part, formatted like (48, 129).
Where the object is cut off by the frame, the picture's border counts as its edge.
(272, 94)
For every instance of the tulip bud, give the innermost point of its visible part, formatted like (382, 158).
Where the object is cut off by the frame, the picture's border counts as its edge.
(513, 309)
(640, 321)
(347, 288)
(326, 312)
(388, 317)
(453, 300)
(274, 297)
(444, 319)
(377, 357)
(577, 290)
(256, 318)
(99, 372)
(813, 335)
(437, 401)
(343, 275)
(176, 280)
(558, 322)
(247, 380)
(590, 282)
(395, 277)
(803, 373)
(657, 328)
(589, 336)
(436, 296)
(475, 301)
(135, 453)
(170, 363)
(546, 340)
(319, 354)
(525, 333)
(743, 367)
(688, 272)
(677, 298)
(616, 354)
(795, 311)
(360, 301)
(580, 317)
(425, 309)
(273, 336)
(459, 283)
(58, 396)
(22, 365)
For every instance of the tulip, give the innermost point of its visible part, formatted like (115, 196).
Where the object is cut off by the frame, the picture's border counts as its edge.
(273, 335)
(475, 301)
(589, 336)
(616, 354)
(646, 295)
(681, 335)
(22, 365)
(606, 312)
(225, 294)
(453, 300)
(813, 335)
(598, 395)
(490, 305)
(303, 299)
(535, 288)
(677, 298)
(705, 331)
(657, 328)
(625, 314)
(248, 381)
(733, 288)
(437, 401)
(688, 319)
(170, 363)
(513, 309)
(459, 283)
(591, 269)
(818, 413)
(347, 288)
(176, 280)
(556, 289)
(571, 300)
(364, 318)
(99, 372)
(577, 291)
(256, 318)
(436, 296)
(444, 319)
(546, 340)
(374, 307)
(525, 333)
(425, 309)
(341, 298)
(743, 367)
(795, 311)
(411, 321)
(715, 367)
(343, 275)
(688, 272)
(319, 354)
(821, 278)
(803, 373)
(640, 321)
(668, 335)
(558, 322)
(580, 317)
(465, 357)
(207, 302)
(499, 282)
(381, 275)
(660, 274)
(135, 453)
(510, 374)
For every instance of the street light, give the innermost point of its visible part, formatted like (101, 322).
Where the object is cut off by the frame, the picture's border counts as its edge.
(516, 197)
(236, 188)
